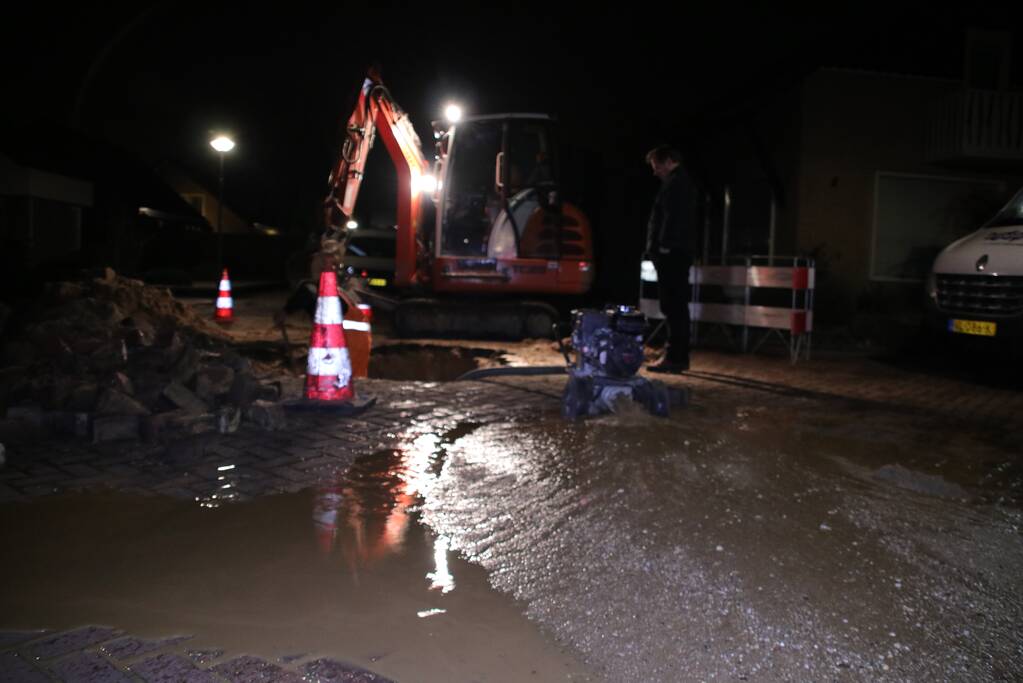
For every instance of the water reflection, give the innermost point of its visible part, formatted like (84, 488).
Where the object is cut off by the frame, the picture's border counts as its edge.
(223, 490)
(366, 514)
(441, 579)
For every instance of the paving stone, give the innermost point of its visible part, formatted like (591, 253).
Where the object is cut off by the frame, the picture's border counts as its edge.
(204, 656)
(69, 641)
(130, 647)
(248, 669)
(47, 480)
(17, 669)
(11, 638)
(317, 463)
(291, 474)
(8, 494)
(36, 491)
(333, 671)
(169, 668)
(115, 428)
(88, 667)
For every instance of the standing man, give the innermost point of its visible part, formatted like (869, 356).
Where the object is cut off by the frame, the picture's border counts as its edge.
(671, 243)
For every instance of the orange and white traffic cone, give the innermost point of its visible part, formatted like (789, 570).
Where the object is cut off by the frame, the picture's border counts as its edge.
(225, 304)
(329, 373)
(359, 335)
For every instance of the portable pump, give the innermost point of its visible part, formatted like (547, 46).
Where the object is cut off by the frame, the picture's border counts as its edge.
(608, 345)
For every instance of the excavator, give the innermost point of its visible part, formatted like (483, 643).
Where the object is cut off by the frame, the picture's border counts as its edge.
(484, 239)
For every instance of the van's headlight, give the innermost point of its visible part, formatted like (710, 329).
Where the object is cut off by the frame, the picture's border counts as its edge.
(931, 286)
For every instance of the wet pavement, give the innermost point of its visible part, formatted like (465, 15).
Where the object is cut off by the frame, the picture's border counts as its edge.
(834, 520)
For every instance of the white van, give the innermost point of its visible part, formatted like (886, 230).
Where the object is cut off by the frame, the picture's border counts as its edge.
(975, 288)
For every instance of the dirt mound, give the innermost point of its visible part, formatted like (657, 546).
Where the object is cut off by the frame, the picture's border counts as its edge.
(111, 357)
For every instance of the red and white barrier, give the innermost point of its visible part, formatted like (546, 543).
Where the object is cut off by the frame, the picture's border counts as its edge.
(794, 320)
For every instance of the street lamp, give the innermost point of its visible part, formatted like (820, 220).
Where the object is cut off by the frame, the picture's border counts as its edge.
(222, 144)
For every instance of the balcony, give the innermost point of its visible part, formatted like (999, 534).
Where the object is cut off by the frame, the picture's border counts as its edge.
(977, 128)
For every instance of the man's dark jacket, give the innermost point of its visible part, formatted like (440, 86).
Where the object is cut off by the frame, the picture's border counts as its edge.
(675, 219)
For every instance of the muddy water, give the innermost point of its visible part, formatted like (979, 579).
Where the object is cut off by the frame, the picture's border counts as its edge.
(747, 537)
(760, 540)
(429, 362)
(344, 570)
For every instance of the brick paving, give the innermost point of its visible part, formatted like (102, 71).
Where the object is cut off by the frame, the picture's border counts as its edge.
(213, 468)
(874, 383)
(130, 660)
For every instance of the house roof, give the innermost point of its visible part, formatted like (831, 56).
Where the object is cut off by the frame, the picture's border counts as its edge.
(117, 175)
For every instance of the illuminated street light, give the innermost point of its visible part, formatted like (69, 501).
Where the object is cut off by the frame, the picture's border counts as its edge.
(222, 144)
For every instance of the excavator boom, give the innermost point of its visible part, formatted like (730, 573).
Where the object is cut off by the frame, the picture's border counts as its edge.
(376, 112)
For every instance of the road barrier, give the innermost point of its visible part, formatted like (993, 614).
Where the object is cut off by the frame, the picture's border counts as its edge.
(742, 289)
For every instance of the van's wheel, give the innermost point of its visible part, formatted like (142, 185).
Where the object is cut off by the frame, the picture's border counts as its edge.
(575, 401)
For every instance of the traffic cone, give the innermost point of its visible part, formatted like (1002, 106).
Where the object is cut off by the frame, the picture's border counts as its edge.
(358, 335)
(329, 372)
(225, 304)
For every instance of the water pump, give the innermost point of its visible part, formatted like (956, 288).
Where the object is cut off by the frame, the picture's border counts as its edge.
(608, 347)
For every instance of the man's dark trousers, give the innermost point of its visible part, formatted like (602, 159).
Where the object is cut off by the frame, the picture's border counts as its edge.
(673, 282)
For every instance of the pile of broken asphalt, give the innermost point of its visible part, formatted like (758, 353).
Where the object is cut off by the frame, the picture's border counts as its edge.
(105, 357)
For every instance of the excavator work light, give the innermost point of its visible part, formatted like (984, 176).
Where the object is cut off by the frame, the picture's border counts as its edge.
(453, 113)
(427, 184)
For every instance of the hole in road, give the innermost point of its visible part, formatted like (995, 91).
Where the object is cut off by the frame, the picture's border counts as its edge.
(429, 363)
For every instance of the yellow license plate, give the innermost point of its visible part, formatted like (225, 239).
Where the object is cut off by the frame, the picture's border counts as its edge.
(377, 282)
(978, 327)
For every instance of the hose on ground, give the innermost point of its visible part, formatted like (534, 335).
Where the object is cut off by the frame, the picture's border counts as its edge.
(516, 370)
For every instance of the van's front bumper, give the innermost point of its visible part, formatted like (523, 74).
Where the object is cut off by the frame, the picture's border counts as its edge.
(992, 329)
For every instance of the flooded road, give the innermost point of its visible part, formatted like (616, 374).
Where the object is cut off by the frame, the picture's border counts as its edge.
(756, 535)
(344, 570)
(768, 540)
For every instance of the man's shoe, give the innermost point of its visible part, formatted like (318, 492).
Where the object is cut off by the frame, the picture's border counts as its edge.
(670, 366)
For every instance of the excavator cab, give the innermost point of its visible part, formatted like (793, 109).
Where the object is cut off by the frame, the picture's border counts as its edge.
(500, 220)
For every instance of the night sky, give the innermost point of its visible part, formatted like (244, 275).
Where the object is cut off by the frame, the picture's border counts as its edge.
(158, 79)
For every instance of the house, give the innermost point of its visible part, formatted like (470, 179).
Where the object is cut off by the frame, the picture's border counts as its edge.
(71, 200)
(41, 212)
(205, 202)
(870, 171)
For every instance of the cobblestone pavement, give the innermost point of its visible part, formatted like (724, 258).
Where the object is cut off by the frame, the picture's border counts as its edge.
(94, 654)
(216, 469)
(879, 384)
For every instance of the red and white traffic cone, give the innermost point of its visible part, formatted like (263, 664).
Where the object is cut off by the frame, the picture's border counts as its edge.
(225, 304)
(329, 373)
(358, 335)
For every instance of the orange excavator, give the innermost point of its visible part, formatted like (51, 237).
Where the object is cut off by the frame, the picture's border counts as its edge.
(482, 233)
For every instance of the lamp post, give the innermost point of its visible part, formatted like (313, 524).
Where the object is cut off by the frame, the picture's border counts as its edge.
(222, 144)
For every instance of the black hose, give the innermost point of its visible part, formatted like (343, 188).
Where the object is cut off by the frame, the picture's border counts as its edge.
(515, 370)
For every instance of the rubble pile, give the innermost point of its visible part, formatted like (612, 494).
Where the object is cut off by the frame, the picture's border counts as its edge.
(112, 358)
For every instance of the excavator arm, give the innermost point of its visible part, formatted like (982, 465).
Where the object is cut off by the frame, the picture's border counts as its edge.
(376, 112)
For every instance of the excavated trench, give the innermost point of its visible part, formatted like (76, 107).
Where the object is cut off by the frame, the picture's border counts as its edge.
(430, 363)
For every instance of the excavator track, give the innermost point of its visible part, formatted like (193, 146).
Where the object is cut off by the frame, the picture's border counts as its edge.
(437, 318)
